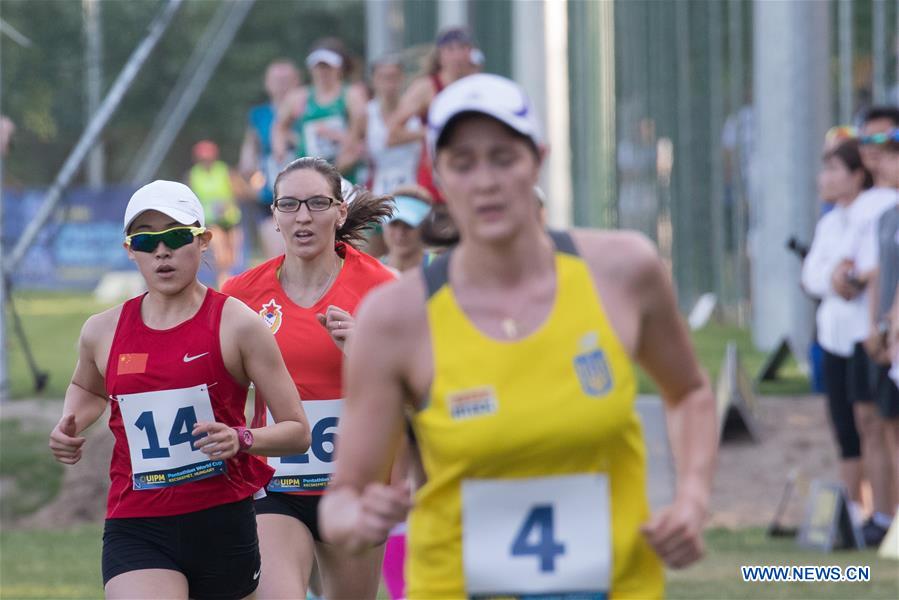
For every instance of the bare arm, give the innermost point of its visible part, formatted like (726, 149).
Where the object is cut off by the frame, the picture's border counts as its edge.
(262, 364)
(665, 351)
(289, 110)
(248, 162)
(358, 510)
(85, 399)
(413, 103)
(352, 146)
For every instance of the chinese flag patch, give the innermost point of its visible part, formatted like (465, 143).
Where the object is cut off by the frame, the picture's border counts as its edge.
(130, 364)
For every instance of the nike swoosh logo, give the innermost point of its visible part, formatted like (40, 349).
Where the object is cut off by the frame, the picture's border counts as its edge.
(188, 357)
(256, 575)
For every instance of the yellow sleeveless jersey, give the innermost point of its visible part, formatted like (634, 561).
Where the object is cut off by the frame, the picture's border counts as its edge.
(213, 187)
(534, 455)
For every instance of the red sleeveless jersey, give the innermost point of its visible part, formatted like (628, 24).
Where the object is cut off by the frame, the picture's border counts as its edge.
(313, 359)
(162, 382)
(425, 166)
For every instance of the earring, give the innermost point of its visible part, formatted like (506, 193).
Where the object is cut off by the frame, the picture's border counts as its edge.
(277, 228)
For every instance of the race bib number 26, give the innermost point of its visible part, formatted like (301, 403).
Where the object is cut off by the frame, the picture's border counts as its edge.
(547, 536)
(159, 428)
(312, 470)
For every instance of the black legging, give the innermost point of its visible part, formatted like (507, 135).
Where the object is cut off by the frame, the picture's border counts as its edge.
(836, 384)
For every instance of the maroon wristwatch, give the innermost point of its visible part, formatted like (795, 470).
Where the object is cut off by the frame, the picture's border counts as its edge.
(244, 438)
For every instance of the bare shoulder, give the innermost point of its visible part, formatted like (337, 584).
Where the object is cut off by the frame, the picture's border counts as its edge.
(295, 100)
(396, 308)
(101, 326)
(239, 317)
(621, 254)
(357, 91)
(422, 89)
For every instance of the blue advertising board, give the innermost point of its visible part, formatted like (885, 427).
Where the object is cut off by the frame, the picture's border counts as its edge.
(79, 244)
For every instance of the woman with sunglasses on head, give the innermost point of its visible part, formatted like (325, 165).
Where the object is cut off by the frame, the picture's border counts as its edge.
(327, 118)
(308, 297)
(513, 356)
(176, 363)
(841, 180)
(405, 248)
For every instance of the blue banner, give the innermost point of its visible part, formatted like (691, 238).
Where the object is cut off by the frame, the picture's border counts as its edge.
(79, 244)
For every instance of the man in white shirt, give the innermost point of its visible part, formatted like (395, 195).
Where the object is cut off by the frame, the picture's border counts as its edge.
(878, 420)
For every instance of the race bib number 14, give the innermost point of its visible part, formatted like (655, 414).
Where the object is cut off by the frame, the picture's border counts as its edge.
(547, 536)
(159, 428)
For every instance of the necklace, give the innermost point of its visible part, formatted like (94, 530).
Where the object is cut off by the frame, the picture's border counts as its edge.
(324, 288)
(509, 327)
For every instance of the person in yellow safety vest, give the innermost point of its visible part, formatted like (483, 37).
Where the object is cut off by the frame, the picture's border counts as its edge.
(210, 179)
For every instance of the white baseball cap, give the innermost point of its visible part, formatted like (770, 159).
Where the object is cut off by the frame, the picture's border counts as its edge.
(323, 55)
(488, 94)
(168, 197)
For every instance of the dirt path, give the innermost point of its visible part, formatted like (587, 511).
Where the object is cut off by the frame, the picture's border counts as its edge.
(796, 435)
(749, 480)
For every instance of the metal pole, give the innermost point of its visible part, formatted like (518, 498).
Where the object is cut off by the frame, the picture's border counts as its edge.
(94, 85)
(184, 96)
(14, 34)
(845, 40)
(98, 122)
(686, 232)
(878, 51)
(716, 118)
(740, 220)
(4, 357)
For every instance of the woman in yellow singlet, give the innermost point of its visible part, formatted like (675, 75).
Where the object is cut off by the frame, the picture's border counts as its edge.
(513, 355)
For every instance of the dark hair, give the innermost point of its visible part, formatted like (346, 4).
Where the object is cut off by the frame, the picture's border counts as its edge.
(848, 153)
(438, 229)
(364, 211)
(883, 112)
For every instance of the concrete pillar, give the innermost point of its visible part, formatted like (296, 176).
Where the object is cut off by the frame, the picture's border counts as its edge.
(452, 12)
(792, 112)
(540, 65)
(383, 28)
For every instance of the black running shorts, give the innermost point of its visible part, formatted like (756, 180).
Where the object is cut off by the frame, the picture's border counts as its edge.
(302, 507)
(216, 549)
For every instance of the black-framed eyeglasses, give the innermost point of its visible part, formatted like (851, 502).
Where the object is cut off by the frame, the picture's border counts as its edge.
(314, 204)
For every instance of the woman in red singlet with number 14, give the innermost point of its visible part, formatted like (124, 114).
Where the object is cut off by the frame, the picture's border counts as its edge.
(176, 363)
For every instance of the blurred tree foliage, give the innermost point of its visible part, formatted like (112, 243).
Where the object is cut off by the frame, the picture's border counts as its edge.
(43, 85)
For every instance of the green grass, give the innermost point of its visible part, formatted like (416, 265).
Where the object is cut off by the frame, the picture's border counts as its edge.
(52, 322)
(710, 343)
(51, 564)
(66, 564)
(718, 575)
(28, 467)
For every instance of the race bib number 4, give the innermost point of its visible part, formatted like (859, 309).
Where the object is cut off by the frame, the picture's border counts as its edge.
(159, 429)
(548, 536)
(312, 470)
